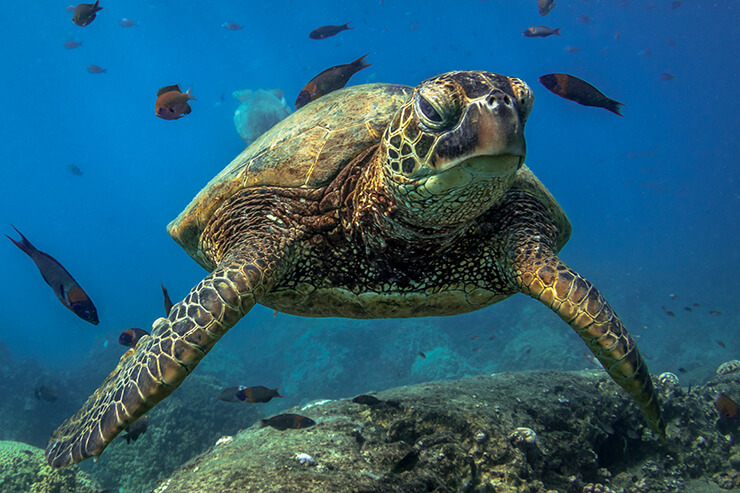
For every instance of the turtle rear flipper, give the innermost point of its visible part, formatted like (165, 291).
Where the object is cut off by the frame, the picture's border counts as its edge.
(159, 363)
(549, 280)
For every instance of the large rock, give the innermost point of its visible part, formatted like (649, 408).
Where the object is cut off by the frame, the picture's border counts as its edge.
(523, 432)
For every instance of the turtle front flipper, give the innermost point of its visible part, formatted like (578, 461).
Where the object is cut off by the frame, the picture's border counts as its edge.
(159, 363)
(546, 278)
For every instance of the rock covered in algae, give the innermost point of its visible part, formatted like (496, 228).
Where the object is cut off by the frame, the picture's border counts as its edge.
(456, 436)
(23, 469)
(258, 112)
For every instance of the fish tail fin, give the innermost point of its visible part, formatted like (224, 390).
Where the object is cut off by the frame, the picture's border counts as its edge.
(346, 25)
(360, 63)
(615, 107)
(262, 423)
(97, 7)
(188, 93)
(556, 32)
(277, 394)
(23, 244)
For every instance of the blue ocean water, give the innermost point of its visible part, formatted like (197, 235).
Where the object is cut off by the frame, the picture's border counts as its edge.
(652, 196)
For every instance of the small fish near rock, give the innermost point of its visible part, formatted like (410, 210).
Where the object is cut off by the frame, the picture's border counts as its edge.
(85, 13)
(541, 32)
(324, 32)
(578, 90)
(69, 292)
(288, 421)
(329, 80)
(172, 103)
(726, 406)
(136, 429)
(257, 394)
(131, 337)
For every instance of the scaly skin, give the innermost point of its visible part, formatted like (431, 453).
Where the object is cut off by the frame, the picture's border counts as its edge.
(159, 363)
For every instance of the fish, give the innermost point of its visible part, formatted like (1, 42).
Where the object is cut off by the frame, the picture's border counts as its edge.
(726, 407)
(368, 400)
(69, 292)
(697, 305)
(231, 26)
(130, 337)
(667, 76)
(125, 22)
(172, 103)
(73, 169)
(167, 301)
(676, 4)
(71, 45)
(580, 91)
(673, 296)
(229, 394)
(688, 309)
(714, 312)
(94, 69)
(720, 344)
(324, 32)
(422, 354)
(257, 394)
(329, 80)
(284, 422)
(584, 19)
(136, 429)
(572, 49)
(682, 370)
(85, 13)
(670, 313)
(545, 6)
(45, 393)
(541, 32)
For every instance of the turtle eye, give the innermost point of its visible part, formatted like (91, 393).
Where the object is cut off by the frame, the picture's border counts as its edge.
(428, 110)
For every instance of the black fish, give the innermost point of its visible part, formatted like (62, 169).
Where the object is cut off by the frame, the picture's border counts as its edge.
(85, 13)
(545, 6)
(284, 422)
(136, 429)
(328, 31)
(45, 393)
(329, 80)
(130, 337)
(580, 91)
(65, 287)
(541, 32)
(368, 400)
(257, 393)
(167, 301)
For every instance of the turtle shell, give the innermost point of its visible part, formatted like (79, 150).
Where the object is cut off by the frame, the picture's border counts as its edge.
(306, 149)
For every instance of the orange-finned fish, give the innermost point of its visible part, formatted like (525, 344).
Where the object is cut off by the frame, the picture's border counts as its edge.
(167, 301)
(257, 393)
(85, 13)
(580, 91)
(130, 337)
(324, 32)
(329, 80)
(65, 287)
(172, 103)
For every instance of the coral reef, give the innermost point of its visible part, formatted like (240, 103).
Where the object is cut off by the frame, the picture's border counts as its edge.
(569, 432)
(23, 469)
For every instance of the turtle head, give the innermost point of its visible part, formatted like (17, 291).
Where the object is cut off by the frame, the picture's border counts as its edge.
(454, 148)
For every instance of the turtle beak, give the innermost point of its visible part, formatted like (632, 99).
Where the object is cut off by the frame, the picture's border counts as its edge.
(493, 133)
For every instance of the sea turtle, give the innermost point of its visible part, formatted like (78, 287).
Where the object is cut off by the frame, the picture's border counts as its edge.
(374, 201)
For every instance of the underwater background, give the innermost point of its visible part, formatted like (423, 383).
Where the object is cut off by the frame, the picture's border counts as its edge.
(653, 197)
